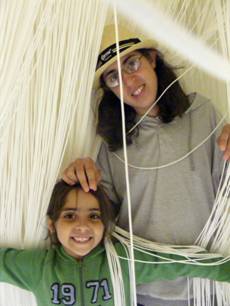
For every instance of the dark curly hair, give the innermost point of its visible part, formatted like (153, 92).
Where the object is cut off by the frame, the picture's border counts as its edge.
(58, 198)
(173, 103)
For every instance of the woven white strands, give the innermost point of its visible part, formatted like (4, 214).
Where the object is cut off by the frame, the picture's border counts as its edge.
(48, 54)
(47, 62)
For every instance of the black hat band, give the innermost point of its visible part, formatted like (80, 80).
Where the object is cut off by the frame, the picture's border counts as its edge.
(111, 51)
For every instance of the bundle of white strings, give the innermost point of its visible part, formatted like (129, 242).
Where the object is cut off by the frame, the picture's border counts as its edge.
(48, 56)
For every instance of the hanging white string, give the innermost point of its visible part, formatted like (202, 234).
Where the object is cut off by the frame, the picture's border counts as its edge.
(132, 267)
(192, 254)
(53, 73)
(115, 273)
(216, 234)
(216, 230)
(184, 250)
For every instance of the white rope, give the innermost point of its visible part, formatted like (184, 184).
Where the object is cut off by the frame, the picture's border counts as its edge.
(132, 267)
(217, 229)
(191, 254)
(115, 273)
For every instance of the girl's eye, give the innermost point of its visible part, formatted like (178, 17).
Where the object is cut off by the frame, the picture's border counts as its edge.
(95, 217)
(69, 216)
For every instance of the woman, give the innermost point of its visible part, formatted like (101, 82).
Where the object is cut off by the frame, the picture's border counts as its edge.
(169, 204)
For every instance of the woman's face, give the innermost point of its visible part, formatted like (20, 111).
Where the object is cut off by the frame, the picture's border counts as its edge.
(79, 227)
(140, 86)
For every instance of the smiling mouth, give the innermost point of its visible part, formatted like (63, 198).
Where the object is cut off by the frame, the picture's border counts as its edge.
(138, 91)
(81, 239)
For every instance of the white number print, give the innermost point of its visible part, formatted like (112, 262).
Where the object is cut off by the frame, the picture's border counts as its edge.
(68, 294)
(65, 294)
(96, 285)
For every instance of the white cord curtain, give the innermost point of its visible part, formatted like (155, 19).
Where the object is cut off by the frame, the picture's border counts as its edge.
(47, 62)
(48, 52)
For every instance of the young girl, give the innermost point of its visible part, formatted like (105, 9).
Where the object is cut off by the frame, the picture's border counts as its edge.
(75, 270)
(171, 202)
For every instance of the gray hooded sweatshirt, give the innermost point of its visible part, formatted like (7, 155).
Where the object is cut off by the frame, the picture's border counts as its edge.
(171, 204)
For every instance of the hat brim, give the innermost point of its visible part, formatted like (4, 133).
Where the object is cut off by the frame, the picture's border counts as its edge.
(142, 45)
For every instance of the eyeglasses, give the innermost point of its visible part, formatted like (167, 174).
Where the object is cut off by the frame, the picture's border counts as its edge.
(131, 65)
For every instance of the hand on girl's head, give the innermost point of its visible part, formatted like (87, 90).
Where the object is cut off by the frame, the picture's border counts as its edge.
(84, 171)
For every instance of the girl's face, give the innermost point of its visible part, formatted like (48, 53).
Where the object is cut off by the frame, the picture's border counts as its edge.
(140, 86)
(79, 227)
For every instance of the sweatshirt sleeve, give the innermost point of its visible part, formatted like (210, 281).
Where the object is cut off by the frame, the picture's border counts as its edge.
(21, 268)
(163, 269)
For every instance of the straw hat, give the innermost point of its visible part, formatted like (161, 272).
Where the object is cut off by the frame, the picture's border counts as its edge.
(128, 42)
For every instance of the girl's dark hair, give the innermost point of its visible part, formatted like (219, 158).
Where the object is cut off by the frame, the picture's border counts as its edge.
(58, 199)
(174, 102)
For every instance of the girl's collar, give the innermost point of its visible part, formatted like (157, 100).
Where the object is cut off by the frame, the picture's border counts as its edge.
(65, 256)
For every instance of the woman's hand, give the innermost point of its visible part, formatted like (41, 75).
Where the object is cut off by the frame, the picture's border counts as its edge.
(224, 141)
(84, 171)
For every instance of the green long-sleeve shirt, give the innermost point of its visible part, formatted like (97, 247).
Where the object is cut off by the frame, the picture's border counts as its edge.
(56, 278)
